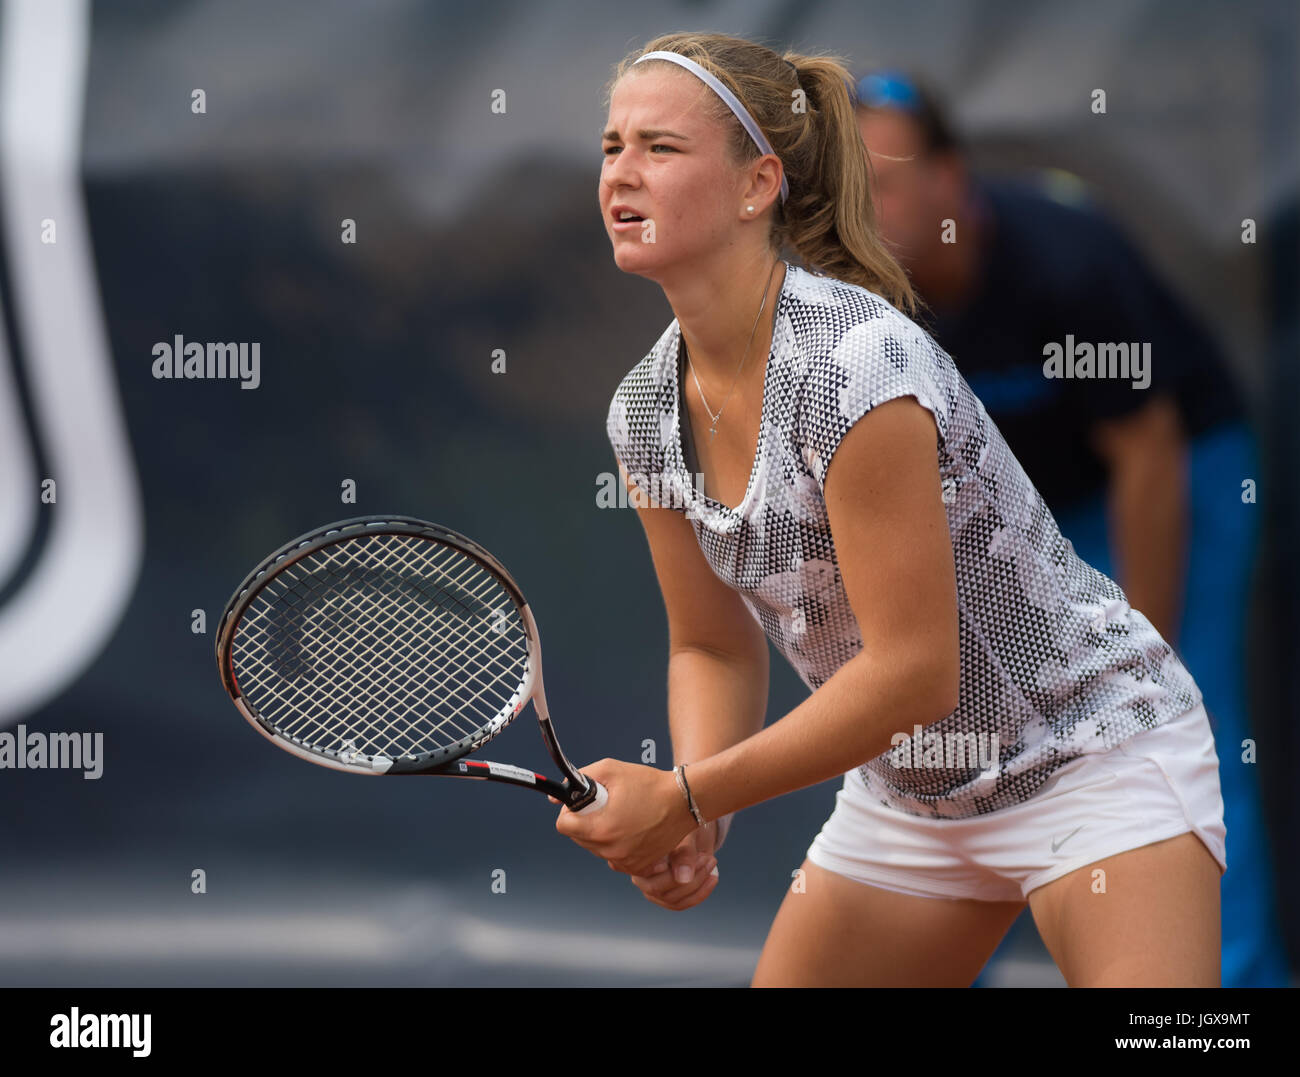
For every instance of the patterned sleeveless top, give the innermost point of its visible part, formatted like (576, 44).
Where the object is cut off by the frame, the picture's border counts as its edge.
(1054, 661)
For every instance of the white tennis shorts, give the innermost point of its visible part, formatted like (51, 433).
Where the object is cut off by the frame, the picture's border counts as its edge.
(1158, 784)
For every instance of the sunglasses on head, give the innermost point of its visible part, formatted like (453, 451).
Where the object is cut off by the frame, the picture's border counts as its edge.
(888, 89)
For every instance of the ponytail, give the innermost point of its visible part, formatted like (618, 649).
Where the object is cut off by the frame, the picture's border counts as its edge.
(830, 218)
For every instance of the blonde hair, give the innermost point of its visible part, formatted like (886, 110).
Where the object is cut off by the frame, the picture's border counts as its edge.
(829, 218)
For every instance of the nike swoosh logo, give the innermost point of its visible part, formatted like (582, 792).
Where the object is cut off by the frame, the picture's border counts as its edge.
(1057, 844)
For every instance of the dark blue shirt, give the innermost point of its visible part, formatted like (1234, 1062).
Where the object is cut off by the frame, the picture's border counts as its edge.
(1052, 269)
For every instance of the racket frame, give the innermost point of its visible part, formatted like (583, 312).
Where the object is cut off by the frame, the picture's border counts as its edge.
(576, 791)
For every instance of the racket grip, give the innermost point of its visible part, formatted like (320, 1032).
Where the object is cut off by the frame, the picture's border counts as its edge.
(602, 795)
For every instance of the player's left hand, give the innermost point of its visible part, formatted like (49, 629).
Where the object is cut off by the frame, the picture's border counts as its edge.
(645, 818)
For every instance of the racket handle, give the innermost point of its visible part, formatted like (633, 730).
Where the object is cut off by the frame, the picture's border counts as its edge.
(602, 795)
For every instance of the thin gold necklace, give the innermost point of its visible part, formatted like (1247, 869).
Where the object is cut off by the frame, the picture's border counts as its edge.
(713, 429)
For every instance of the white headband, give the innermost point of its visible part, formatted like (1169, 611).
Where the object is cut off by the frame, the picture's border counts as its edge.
(728, 98)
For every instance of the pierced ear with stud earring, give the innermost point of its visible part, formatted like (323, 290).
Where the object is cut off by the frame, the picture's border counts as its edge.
(749, 209)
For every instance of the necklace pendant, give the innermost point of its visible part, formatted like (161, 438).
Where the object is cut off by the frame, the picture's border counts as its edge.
(712, 430)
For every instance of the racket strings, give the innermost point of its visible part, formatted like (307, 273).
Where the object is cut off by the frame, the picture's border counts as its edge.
(388, 645)
(351, 619)
(360, 629)
(392, 676)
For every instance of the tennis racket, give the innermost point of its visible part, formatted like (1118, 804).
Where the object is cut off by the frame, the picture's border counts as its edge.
(389, 645)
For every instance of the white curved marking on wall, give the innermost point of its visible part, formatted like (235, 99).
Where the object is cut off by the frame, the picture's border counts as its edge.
(17, 469)
(65, 611)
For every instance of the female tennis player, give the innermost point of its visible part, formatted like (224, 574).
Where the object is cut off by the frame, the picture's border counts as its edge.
(810, 468)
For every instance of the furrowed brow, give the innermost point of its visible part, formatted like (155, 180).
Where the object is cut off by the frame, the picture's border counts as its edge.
(646, 134)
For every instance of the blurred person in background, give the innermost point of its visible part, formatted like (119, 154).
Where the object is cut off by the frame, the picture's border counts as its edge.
(1151, 492)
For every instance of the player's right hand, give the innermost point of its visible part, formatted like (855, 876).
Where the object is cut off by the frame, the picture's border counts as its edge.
(668, 885)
